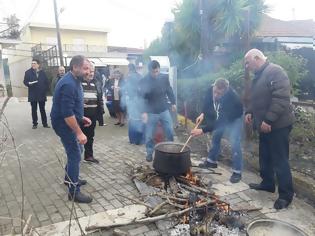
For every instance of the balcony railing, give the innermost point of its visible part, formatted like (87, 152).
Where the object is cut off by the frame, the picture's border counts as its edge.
(84, 48)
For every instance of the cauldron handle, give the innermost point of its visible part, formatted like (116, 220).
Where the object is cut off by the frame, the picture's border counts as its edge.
(190, 137)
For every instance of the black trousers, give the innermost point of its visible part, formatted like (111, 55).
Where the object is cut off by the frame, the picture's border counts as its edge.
(274, 160)
(100, 118)
(89, 133)
(42, 112)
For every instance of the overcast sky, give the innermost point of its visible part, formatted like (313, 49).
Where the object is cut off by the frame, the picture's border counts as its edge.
(131, 23)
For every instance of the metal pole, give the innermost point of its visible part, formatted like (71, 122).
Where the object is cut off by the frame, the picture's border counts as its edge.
(2, 75)
(58, 34)
(202, 35)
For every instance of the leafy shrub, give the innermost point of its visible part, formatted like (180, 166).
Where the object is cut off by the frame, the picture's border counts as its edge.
(304, 128)
(192, 90)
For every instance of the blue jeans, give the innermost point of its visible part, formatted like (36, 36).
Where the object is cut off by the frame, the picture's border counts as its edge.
(73, 150)
(234, 134)
(167, 124)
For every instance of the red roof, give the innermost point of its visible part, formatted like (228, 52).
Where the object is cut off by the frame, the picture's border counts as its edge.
(271, 27)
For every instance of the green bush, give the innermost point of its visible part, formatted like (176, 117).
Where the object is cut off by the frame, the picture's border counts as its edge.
(192, 90)
(294, 65)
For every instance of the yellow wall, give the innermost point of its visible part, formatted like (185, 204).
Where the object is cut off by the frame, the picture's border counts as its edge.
(35, 35)
(40, 35)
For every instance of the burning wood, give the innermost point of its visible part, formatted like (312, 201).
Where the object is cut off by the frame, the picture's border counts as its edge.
(187, 197)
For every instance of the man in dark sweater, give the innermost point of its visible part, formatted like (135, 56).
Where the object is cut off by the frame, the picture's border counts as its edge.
(155, 88)
(66, 117)
(222, 111)
(37, 83)
(93, 104)
(272, 115)
(61, 73)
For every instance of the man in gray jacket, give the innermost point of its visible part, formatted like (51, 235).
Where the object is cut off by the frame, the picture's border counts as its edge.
(271, 112)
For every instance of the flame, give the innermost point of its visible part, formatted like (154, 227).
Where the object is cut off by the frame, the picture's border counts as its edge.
(224, 207)
(191, 177)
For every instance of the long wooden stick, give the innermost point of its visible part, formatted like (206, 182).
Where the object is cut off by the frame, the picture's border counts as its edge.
(148, 219)
(190, 136)
(135, 200)
(27, 225)
(140, 221)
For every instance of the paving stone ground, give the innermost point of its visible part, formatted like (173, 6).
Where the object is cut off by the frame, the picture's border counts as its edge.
(42, 161)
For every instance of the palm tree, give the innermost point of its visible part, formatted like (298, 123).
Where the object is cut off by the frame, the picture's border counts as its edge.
(227, 21)
(236, 20)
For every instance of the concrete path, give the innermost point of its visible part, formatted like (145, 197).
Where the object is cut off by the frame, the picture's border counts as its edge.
(42, 160)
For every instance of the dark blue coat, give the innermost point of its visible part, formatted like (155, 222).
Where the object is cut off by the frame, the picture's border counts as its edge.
(230, 109)
(67, 101)
(37, 85)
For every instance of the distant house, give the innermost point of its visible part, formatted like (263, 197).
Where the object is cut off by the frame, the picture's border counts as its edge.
(134, 55)
(292, 34)
(40, 41)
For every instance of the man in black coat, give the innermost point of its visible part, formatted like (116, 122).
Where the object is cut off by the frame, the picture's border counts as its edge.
(271, 113)
(223, 112)
(61, 73)
(37, 83)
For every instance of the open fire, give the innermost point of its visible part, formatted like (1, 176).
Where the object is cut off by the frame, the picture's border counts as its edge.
(206, 214)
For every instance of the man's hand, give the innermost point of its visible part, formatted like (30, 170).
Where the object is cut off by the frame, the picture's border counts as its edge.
(86, 121)
(173, 108)
(81, 138)
(196, 132)
(248, 119)
(145, 117)
(200, 118)
(265, 128)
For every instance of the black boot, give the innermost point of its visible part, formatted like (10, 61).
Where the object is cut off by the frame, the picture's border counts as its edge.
(208, 164)
(261, 187)
(235, 178)
(79, 198)
(281, 203)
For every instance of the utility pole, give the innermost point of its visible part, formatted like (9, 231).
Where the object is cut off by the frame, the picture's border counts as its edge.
(58, 34)
(203, 36)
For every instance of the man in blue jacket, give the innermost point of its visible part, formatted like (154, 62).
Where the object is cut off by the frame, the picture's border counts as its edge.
(222, 111)
(37, 83)
(66, 117)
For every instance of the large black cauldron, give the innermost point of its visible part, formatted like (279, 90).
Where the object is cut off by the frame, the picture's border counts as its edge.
(168, 159)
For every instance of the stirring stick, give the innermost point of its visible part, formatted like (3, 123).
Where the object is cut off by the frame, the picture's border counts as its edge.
(190, 137)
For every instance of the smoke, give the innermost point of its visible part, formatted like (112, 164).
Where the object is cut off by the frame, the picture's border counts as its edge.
(130, 97)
